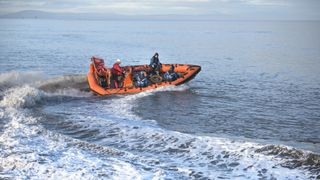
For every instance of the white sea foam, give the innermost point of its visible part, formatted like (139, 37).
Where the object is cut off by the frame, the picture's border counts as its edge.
(27, 89)
(188, 154)
(24, 96)
(123, 105)
(30, 151)
(128, 148)
(220, 154)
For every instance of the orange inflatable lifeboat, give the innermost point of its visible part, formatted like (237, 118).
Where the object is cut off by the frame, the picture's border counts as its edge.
(186, 72)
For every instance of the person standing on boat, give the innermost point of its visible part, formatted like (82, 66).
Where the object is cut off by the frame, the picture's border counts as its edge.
(155, 64)
(117, 74)
(102, 73)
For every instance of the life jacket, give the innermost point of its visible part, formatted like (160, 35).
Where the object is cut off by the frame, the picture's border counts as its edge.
(116, 69)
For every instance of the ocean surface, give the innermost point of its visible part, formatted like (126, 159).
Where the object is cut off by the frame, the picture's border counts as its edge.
(253, 112)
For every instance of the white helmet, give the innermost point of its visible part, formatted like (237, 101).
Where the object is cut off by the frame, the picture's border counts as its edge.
(118, 61)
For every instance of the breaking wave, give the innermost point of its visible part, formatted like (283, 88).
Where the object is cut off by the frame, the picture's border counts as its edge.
(25, 89)
(11, 79)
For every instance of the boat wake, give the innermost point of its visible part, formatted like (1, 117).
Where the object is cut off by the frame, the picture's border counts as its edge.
(53, 128)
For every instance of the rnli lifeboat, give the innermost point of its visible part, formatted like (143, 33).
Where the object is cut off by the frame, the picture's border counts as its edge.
(97, 70)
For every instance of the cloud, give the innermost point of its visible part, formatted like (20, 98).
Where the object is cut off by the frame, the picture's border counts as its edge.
(101, 6)
(266, 9)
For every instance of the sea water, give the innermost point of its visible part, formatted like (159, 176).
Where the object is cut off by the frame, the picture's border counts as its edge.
(252, 112)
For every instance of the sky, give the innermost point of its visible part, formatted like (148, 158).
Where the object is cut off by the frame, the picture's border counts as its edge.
(241, 9)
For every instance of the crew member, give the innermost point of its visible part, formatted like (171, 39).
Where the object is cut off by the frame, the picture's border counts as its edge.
(102, 73)
(117, 74)
(155, 64)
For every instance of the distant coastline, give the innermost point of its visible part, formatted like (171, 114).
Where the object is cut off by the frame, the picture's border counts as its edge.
(35, 14)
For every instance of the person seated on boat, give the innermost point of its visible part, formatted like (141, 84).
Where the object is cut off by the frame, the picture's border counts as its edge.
(117, 74)
(102, 73)
(155, 64)
(140, 79)
(170, 75)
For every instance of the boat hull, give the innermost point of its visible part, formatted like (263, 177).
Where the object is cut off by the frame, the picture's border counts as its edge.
(187, 72)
